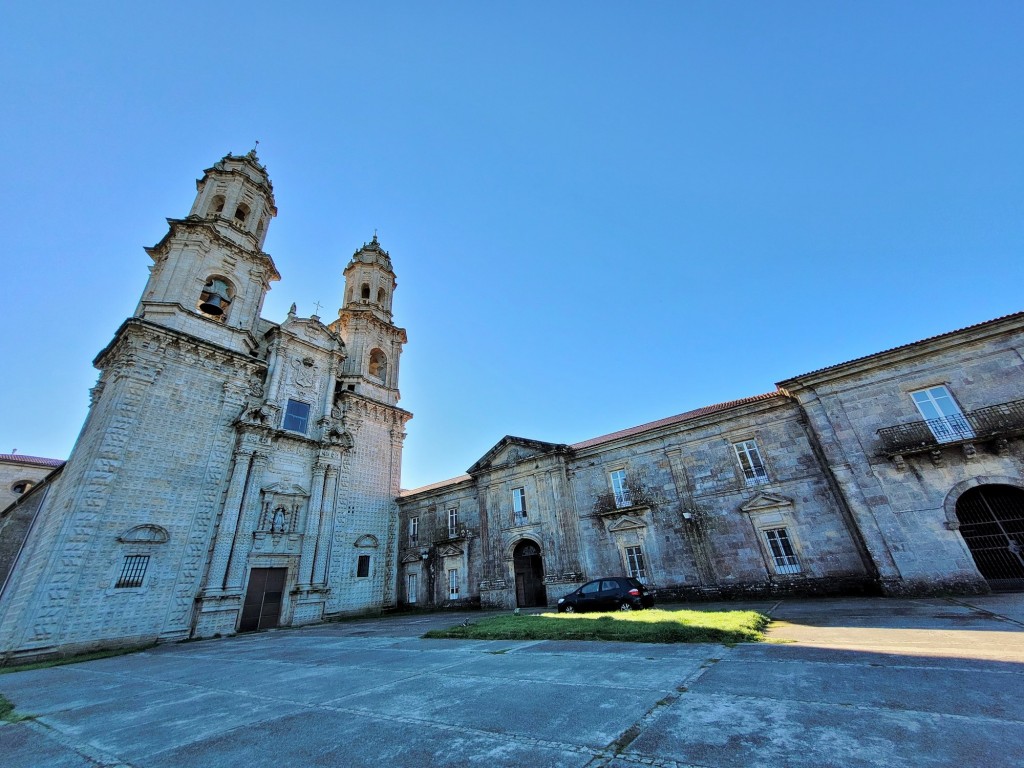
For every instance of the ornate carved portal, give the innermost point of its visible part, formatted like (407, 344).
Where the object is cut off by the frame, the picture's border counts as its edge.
(529, 572)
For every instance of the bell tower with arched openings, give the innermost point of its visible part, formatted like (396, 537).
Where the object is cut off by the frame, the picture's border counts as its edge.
(365, 324)
(210, 275)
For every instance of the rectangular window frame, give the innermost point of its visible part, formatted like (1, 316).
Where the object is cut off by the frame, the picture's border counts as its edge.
(636, 566)
(621, 492)
(294, 419)
(453, 522)
(412, 586)
(748, 456)
(133, 572)
(942, 413)
(782, 551)
(519, 512)
(414, 531)
(363, 567)
(453, 584)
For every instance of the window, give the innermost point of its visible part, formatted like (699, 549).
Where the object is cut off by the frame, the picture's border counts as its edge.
(380, 295)
(411, 590)
(241, 213)
(782, 551)
(22, 486)
(414, 531)
(942, 414)
(133, 572)
(623, 498)
(635, 563)
(750, 462)
(364, 291)
(363, 566)
(453, 522)
(215, 298)
(519, 504)
(217, 204)
(378, 366)
(453, 584)
(296, 416)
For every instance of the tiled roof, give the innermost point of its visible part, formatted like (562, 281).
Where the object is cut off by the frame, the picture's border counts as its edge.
(707, 409)
(1014, 315)
(17, 458)
(434, 486)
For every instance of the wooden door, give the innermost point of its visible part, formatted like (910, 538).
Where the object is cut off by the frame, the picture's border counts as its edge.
(262, 606)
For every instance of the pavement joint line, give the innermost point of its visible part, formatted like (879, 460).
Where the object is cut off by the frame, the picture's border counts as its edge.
(973, 718)
(997, 616)
(89, 751)
(909, 667)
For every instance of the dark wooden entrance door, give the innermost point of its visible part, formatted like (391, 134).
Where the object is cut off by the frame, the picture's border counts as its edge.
(529, 570)
(262, 607)
(992, 523)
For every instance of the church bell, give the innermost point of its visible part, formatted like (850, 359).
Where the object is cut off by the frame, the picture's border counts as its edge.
(214, 304)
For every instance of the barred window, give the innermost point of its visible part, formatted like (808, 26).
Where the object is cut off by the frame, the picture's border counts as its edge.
(782, 551)
(133, 572)
(363, 567)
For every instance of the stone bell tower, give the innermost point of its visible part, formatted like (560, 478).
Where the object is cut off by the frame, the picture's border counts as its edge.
(210, 275)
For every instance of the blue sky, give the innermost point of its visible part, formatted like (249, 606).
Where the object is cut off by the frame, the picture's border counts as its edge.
(600, 215)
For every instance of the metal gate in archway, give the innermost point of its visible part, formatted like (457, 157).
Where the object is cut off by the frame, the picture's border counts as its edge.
(992, 523)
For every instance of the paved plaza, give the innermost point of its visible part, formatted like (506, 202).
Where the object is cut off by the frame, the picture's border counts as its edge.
(848, 682)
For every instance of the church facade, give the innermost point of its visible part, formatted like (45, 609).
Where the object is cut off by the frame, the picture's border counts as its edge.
(901, 473)
(233, 473)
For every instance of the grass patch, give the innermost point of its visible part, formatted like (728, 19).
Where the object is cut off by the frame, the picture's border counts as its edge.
(650, 626)
(7, 713)
(59, 662)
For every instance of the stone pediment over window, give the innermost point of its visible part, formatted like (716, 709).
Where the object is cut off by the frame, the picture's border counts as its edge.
(286, 489)
(145, 534)
(412, 557)
(510, 450)
(449, 551)
(367, 541)
(763, 502)
(626, 524)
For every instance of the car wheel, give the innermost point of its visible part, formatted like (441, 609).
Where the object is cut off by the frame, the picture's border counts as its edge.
(624, 606)
(569, 609)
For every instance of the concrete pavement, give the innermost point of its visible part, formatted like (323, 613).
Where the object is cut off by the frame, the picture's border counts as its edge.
(847, 682)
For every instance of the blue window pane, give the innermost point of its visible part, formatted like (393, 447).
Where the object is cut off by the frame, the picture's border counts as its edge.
(296, 416)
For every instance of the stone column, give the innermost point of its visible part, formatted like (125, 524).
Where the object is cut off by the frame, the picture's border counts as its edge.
(229, 520)
(311, 533)
(247, 516)
(320, 551)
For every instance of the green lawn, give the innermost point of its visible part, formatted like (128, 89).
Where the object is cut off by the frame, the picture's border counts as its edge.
(651, 626)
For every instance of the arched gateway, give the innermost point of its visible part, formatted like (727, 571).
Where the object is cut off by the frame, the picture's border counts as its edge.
(992, 524)
(529, 571)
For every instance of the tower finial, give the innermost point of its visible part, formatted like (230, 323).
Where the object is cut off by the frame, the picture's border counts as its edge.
(252, 152)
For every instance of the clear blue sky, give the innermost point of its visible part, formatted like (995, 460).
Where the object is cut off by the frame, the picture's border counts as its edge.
(600, 213)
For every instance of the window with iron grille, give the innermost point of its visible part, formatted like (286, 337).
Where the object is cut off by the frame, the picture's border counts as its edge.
(623, 498)
(363, 566)
(453, 584)
(635, 563)
(414, 531)
(296, 416)
(411, 591)
(750, 461)
(133, 572)
(519, 503)
(453, 522)
(782, 551)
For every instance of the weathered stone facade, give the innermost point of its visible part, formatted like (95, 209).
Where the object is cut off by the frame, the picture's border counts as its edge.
(233, 473)
(803, 490)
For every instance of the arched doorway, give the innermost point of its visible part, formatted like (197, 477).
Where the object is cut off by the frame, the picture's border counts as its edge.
(992, 523)
(529, 570)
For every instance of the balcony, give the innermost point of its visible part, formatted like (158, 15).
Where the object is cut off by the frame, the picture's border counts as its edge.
(996, 421)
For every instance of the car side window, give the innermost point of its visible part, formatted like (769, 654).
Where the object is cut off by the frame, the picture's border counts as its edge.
(591, 588)
(609, 585)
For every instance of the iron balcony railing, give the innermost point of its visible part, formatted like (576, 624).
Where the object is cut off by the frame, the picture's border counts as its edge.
(1001, 420)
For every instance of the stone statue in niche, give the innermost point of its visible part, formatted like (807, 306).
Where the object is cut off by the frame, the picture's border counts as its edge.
(277, 521)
